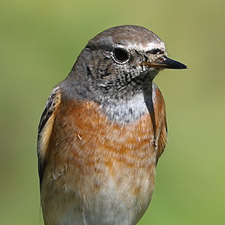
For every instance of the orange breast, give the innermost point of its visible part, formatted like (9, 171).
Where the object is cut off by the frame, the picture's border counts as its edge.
(84, 142)
(91, 157)
(90, 136)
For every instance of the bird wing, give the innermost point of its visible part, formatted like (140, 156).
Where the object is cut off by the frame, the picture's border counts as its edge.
(160, 117)
(45, 129)
(162, 139)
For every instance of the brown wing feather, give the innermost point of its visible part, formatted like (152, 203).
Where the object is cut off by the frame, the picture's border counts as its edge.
(161, 129)
(162, 137)
(45, 129)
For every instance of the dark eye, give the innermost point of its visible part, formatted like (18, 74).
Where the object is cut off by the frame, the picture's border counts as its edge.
(120, 55)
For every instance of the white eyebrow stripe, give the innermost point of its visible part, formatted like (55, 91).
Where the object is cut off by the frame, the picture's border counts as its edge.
(146, 47)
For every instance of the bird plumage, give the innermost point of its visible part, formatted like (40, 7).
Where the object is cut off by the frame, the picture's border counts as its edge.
(102, 133)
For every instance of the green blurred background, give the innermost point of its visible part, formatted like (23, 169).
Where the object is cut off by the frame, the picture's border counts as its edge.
(39, 42)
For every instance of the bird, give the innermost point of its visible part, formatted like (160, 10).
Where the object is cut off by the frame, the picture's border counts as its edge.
(103, 130)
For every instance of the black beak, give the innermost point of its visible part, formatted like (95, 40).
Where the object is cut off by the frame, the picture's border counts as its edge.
(168, 63)
(165, 63)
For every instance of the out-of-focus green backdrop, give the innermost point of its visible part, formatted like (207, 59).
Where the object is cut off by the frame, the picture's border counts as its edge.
(39, 42)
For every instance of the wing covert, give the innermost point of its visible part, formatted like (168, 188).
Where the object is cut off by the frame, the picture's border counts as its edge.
(45, 129)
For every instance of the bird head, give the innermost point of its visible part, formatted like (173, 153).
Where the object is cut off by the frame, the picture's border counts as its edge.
(124, 58)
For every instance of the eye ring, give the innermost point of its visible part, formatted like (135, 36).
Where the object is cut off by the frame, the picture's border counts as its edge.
(120, 55)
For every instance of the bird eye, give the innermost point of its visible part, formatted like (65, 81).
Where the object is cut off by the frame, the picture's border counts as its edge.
(120, 55)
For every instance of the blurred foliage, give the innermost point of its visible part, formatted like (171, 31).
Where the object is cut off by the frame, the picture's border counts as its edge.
(39, 43)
